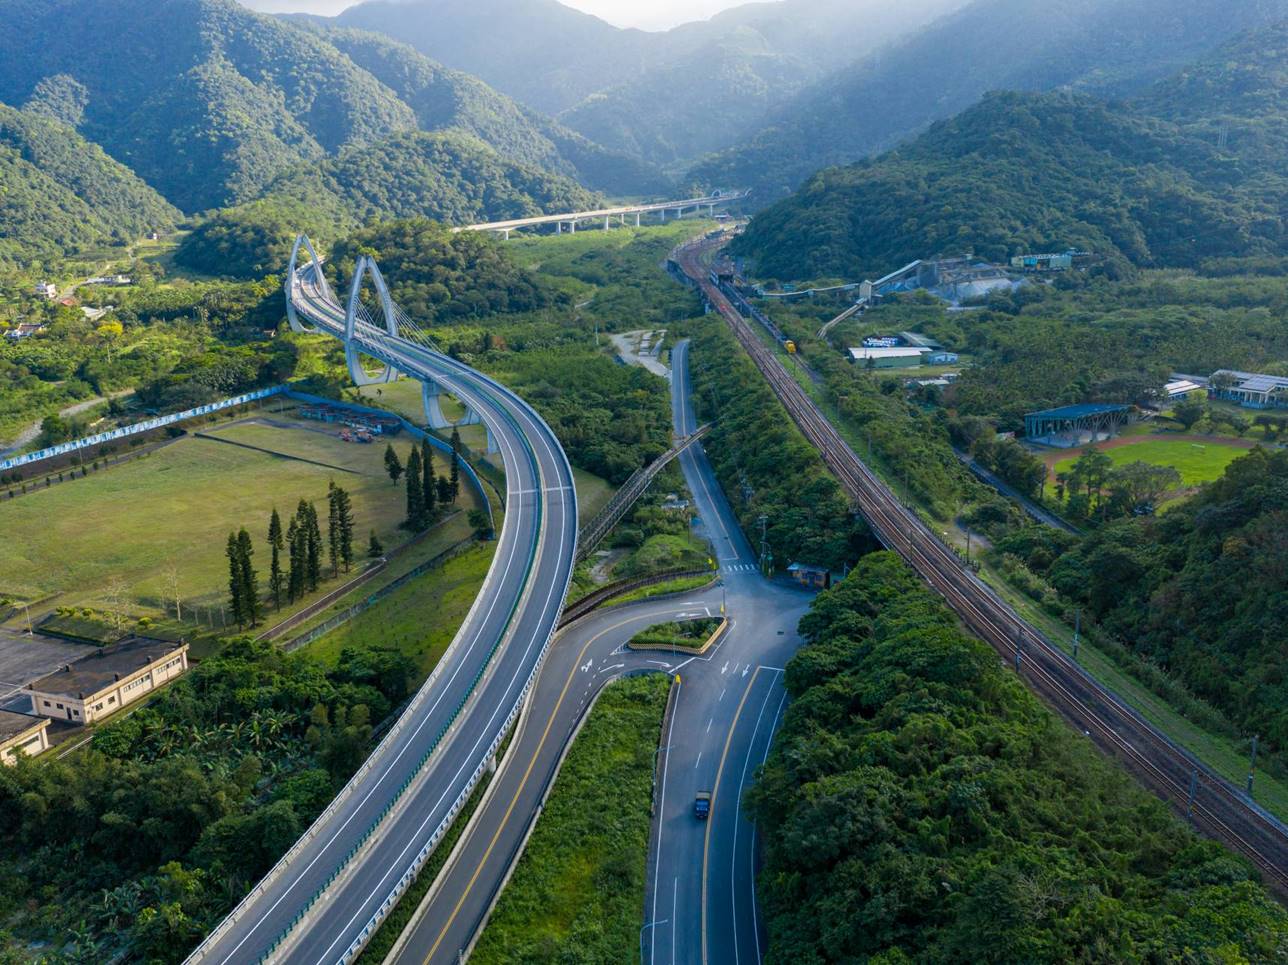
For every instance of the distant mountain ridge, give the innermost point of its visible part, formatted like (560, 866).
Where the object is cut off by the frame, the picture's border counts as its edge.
(1105, 47)
(667, 97)
(447, 99)
(208, 101)
(203, 99)
(1195, 168)
(449, 176)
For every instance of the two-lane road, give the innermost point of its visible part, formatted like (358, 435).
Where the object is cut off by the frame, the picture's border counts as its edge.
(701, 904)
(726, 707)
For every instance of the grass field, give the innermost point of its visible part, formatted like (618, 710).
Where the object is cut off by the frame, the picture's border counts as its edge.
(420, 618)
(175, 507)
(1198, 460)
(403, 397)
(593, 494)
(577, 894)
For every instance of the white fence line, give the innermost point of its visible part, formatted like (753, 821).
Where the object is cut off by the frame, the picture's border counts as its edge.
(160, 422)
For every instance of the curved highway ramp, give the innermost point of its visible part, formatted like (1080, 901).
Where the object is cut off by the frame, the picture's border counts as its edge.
(327, 895)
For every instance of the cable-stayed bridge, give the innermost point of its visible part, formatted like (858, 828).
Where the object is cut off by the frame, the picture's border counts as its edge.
(328, 894)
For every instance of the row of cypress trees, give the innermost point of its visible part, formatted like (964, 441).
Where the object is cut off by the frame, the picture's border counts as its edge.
(426, 490)
(302, 542)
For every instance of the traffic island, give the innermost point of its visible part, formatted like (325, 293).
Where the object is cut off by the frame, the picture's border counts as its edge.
(694, 637)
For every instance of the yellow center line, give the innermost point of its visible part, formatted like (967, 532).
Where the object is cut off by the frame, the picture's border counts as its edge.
(706, 839)
(505, 820)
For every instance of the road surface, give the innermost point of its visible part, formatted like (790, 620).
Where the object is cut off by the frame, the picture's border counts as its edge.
(726, 707)
(1212, 805)
(328, 893)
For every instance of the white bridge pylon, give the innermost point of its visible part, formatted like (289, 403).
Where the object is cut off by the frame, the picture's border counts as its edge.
(431, 391)
(356, 372)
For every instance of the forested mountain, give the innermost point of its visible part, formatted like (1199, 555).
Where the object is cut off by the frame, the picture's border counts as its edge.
(541, 52)
(203, 99)
(447, 99)
(447, 176)
(1029, 171)
(59, 193)
(1236, 97)
(716, 82)
(666, 97)
(1105, 47)
(659, 116)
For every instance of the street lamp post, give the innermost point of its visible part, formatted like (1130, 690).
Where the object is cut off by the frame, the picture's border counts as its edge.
(651, 924)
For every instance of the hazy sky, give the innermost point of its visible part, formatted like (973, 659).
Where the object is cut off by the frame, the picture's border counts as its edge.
(649, 14)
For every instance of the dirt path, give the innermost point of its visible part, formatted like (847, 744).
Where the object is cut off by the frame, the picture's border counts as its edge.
(29, 434)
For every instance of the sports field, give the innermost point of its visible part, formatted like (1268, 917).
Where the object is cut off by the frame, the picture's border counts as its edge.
(1198, 459)
(176, 507)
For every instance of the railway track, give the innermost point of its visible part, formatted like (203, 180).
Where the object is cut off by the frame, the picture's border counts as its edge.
(1211, 804)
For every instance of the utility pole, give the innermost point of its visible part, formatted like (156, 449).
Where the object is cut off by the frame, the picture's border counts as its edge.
(1194, 786)
(1077, 631)
(765, 558)
(1019, 651)
(1252, 764)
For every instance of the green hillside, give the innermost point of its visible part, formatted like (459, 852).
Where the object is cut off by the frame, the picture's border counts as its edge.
(1103, 47)
(667, 96)
(447, 176)
(59, 193)
(655, 117)
(921, 805)
(203, 99)
(446, 99)
(1029, 172)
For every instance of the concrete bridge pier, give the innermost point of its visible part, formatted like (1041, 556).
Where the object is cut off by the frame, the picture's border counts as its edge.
(431, 399)
(637, 219)
(430, 396)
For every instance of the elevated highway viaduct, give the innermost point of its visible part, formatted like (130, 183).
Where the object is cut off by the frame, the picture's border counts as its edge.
(328, 894)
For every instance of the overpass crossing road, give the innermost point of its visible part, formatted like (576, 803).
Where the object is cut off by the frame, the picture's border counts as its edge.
(710, 202)
(700, 903)
(330, 891)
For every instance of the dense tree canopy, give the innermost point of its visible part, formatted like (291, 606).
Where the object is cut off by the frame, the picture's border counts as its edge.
(437, 276)
(149, 835)
(921, 805)
(203, 99)
(1104, 47)
(449, 177)
(1024, 173)
(765, 464)
(59, 193)
(1202, 589)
